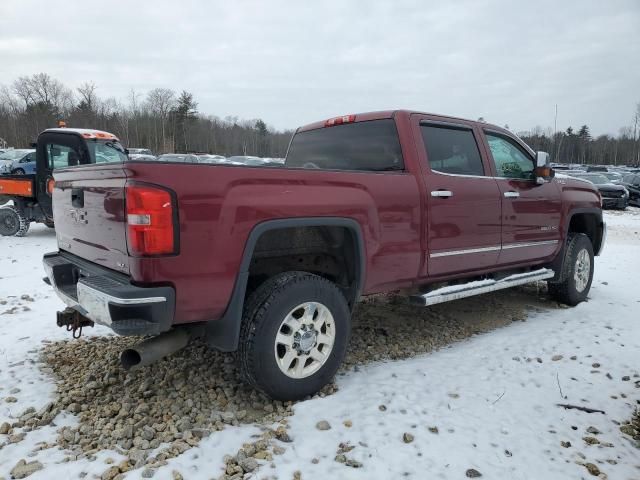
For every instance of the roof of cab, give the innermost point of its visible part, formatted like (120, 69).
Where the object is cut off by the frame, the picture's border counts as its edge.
(84, 132)
(367, 116)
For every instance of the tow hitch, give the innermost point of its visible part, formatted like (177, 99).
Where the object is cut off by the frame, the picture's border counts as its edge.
(73, 321)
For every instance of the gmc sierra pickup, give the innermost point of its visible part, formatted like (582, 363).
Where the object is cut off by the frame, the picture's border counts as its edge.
(269, 261)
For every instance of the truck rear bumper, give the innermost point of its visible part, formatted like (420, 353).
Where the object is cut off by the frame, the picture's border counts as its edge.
(108, 298)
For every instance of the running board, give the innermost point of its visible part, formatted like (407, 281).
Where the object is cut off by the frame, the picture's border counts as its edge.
(454, 292)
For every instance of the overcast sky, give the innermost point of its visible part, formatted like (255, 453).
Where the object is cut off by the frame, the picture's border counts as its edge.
(293, 62)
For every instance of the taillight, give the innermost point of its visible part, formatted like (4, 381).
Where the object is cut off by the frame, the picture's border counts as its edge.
(150, 220)
(340, 120)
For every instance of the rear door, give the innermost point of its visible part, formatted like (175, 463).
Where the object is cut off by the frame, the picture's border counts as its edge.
(88, 199)
(462, 218)
(530, 211)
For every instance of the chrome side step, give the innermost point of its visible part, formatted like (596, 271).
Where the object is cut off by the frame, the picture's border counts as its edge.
(454, 292)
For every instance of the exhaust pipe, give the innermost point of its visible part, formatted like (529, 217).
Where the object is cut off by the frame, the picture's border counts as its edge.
(155, 348)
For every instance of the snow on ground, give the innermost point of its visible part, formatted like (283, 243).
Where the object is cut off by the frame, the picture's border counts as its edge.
(493, 398)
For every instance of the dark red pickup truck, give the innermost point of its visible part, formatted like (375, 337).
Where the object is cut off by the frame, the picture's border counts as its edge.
(270, 260)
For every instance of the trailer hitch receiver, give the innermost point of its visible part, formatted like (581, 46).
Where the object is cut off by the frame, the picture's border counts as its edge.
(73, 321)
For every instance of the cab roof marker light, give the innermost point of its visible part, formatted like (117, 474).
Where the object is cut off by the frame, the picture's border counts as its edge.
(340, 120)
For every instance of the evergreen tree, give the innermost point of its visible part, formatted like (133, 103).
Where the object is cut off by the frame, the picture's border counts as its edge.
(184, 115)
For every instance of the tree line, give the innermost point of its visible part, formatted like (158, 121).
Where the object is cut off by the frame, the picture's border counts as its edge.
(579, 146)
(166, 121)
(161, 120)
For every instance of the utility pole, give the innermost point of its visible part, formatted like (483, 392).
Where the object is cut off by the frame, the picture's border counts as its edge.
(555, 131)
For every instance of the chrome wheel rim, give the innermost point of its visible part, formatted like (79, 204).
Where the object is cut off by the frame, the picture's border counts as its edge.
(582, 270)
(304, 340)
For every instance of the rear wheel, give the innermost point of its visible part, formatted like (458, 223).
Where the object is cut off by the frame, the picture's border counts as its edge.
(13, 222)
(294, 336)
(577, 271)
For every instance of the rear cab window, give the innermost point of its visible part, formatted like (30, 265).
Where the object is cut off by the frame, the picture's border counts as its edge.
(371, 146)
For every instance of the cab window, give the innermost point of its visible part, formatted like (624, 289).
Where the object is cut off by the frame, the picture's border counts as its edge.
(510, 160)
(452, 150)
(60, 156)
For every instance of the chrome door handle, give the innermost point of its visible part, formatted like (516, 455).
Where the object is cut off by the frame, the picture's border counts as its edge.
(441, 193)
(511, 194)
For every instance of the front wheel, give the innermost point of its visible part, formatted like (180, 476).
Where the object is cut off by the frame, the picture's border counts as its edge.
(18, 171)
(294, 336)
(13, 222)
(577, 273)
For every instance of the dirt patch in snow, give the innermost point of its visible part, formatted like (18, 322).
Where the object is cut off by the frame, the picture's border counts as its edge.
(170, 406)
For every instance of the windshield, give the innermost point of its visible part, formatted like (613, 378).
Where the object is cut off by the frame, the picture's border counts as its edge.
(597, 179)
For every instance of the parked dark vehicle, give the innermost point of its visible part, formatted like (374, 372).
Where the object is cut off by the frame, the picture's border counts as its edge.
(271, 261)
(597, 168)
(613, 195)
(631, 181)
(614, 177)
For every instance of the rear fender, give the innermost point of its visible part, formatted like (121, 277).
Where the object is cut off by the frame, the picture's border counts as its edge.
(224, 333)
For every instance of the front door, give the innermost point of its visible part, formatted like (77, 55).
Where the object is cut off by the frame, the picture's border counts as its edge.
(462, 215)
(530, 211)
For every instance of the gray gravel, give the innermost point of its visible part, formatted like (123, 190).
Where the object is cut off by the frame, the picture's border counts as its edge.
(196, 392)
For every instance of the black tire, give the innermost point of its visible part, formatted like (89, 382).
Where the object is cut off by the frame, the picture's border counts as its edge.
(13, 222)
(18, 171)
(264, 312)
(566, 291)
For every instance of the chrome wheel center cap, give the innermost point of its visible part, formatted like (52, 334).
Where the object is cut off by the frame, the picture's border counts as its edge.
(307, 340)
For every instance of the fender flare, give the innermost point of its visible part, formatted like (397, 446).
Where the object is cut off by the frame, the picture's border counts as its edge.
(558, 262)
(223, 334)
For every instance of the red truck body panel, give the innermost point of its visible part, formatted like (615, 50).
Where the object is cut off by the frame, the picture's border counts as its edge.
(405, 229)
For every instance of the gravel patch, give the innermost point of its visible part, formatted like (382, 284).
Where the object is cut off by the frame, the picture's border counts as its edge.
(168, 407)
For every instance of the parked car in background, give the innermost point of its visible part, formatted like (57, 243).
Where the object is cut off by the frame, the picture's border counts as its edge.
(613, 196)
(138, 156)
(614, 177)
(206, 158)
(140, 151)
(631, 181)
(597, 168)
(247, 160)
(178, 158)
(18, 162)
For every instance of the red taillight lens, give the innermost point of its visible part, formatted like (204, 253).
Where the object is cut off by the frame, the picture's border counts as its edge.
(150, 221)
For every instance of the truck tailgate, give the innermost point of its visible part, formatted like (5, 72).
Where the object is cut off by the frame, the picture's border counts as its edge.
(89, 213)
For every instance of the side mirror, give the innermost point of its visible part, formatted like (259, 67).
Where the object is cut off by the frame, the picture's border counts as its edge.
(542, 159)
(126, 151)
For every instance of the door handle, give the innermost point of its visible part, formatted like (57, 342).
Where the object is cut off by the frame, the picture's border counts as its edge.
(511, 194)
(441, 193)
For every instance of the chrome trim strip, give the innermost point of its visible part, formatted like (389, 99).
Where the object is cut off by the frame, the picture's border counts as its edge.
(529, 244)
(492, 248)
(464, 252)
(438, 172)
